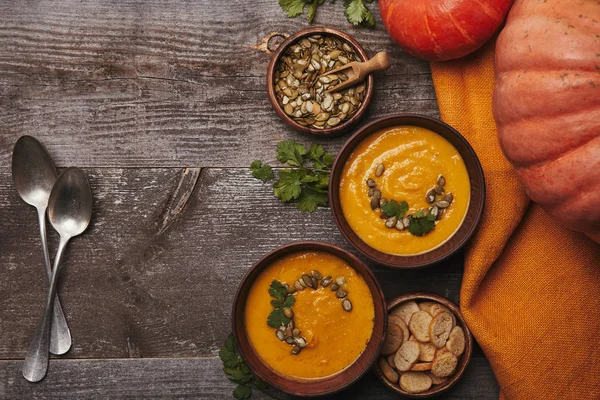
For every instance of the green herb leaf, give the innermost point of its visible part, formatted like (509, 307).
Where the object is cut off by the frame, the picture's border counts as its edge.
(289, 301)
(320, 158)
(311, 198)
(394, 209)
(230, 343)
(288, 186)
(312, 11)
(276, 303)
(242, 392)
(421, 225)
(292, 8)
(261, 171)
(259, 383)
(277, 318)
(288, 151)
(357, 13)
(238, 376)
(277, 290)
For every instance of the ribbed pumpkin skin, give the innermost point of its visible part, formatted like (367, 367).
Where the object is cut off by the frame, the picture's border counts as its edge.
(438, 30)
(546, 104)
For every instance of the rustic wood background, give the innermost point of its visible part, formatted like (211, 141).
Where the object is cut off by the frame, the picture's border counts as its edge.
(163, 103)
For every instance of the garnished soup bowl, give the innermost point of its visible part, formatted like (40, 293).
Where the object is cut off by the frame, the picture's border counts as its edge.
(348, 374)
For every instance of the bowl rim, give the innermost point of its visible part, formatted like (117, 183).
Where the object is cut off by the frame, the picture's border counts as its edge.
(464, 359)
(271, 72)
(476, 203)
(320, 386)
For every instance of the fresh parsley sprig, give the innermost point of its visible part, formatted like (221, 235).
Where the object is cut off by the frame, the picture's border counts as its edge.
(420, 224)
(236, 370)
(355, 10)
(304, 185)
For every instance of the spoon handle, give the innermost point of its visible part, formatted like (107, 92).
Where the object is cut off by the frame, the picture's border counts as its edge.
(36, 361)
(60, 335)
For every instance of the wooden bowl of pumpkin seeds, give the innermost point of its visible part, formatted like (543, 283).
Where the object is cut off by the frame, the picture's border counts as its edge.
(298, 84)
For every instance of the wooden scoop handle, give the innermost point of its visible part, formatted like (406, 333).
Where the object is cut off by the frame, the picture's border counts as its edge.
(380, 62)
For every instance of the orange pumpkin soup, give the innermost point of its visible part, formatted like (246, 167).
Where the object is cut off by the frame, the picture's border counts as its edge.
(413, 158)
(334, 337)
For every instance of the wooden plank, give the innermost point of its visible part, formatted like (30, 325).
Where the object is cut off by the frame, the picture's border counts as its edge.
(164, 83)
(156, 272)
(198, 378)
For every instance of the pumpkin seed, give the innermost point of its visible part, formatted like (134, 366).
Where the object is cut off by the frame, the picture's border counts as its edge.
(347, 305)
(406, 222)
(383, 215)
(291, 324)
(449, 197)
(370, 183)
(430, 196)
(280, 335)
(442, 204)
(341, 294)
(316, 274)
(438, 189)
(289, 340)
(326, 281)
(441, 180)
(382, 202)
(379, 170)
(296, 332)
(334, 287)
(296, 350)
(374, 202)
(308, 280)
(290, 289)
(371, 192)
(288, 332)
(300, 342)
(288, 312)
(333, 121)
(304, 285)
(340, 280)
(298, 285)
(400, 225)
(391, 222)
(434, 211)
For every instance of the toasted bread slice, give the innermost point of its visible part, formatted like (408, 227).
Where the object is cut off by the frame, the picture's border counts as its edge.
(415, 382)
(436, 379)
(440, 308)
(419, 325)
(440, 328)
(427, 352)
(456, 341)
(444, 364)
(399, 321)
(389, 372)
(393, 339)
(405, 310)
(406, 356)
(421, 367)
(426, 306)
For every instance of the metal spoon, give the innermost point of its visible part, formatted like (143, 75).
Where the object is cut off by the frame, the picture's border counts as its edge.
(70, 212)
(34, 175)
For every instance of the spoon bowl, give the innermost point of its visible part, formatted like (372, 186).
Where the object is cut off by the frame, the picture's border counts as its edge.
(34, 172)
(70, 203)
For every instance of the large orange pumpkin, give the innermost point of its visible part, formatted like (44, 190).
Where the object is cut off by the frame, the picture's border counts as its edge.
(547, 106)
(440, 30)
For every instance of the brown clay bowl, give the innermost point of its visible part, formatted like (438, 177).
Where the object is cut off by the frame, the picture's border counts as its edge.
(344, 37)
(463, 361)
(312, 387)
(474, 212)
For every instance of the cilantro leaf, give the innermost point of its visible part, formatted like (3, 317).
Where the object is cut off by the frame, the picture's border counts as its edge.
(320, 158)
(293, 8)
(323, 182)
(230, 343)
(311, 198)
(276, 318)
(237, 375)
(259, 383)
(242, 392)
(327, 159)
(261, 171)
(288, 186)
(357, 13)
(276, 303)
(395, 209)
(312, 11)
(289, 301)
(315, 152)
(421, 225)
(277, 290)
(288, 151)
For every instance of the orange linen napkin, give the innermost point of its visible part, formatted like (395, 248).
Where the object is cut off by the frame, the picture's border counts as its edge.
(531, 289)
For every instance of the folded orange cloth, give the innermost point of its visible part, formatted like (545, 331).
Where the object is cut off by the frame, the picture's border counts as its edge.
(531, 289)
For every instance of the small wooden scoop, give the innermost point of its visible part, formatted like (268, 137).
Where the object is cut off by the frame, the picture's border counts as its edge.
(358, 71)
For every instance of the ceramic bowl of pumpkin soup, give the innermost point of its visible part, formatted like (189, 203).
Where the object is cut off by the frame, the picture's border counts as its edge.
(407, 190)
(309, 319)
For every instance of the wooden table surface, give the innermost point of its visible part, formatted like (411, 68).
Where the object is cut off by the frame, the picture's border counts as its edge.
(163, 104)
